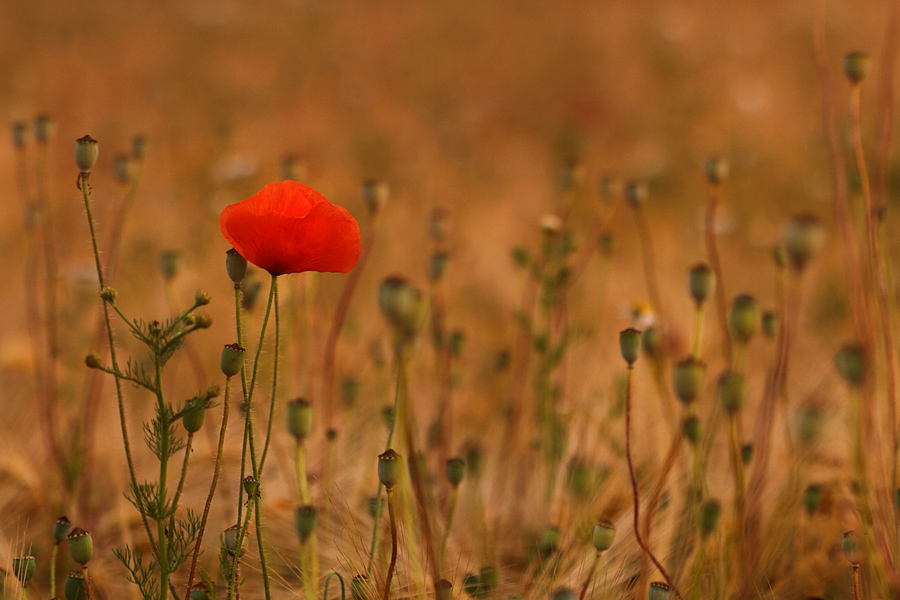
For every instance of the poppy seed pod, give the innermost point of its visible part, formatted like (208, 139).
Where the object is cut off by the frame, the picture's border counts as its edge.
(692, 429)
(771, 322)
(744, 317)
(86, 152)
(803, 238)
(123, 168)
(200, 591)
(630, 345)
(810, 424)
(232, 360)
(438, 224)
(305, 520)
(443, 590)
(850, 546)
(471, 584)
(701, 282)
(437, 265)
(374, 194)
(389, 468)
(636, 193)
(688, 376)
(75, 587)
(473, 459)
(194, 414)
(746, 453)
(563, 593)
(708, 517)
(850, 362)
(359, 588)
(651, 342)
(61, 529)
(812, 498)
(19, 134)
(235, 266)
(716, 169)
(250, 485)
(23, 568)
(732, 391)
(169, 264)
(659, 591)
(550, 540)
(81, 546)
(571, 174)
(857, 65)
(610, 187)
(456, 471)
(299, 418)
(44, 128)
(488, 579)
(604, 535)
(401, 304)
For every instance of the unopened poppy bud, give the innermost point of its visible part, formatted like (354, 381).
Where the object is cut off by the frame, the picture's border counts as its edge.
(81, 546)
(771, 322)
(550, 540)
(659, 591)
(438, 224)
(305, 520)
(93, 361)
(812, 498)
(810, 424)
(850, 361)
(636, 193)
(389, 468)
(701, 282)
(61, 528)
(109, 294)
(744, 318)
(250, 485)
(437, 265)
(630, 345)
(235, 266)
(850, 546)
(688, 376)
(230, 539)
(402, 304)
(443, 590)
(563, 593)
(571, 174)
(610, 187)
(857, 65)
(200, 591)
(732, 391)
(194, 414)
(23, 568)
(716, 169)
(299, 418)
(708, 517)
(359, 588)
(651, 342)
(75, 587)
(604, 535)
(86, 152)
(232, 359)
(456, 471)
(746, 453)
(692, 429)
(44, 128)
(138, 147)
(803, 238)
(374, 195)
(169, 264)
(201, 298)
(19, 134)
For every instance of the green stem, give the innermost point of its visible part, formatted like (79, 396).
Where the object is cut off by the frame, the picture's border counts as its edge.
(328, 580)
(390, 573)
(184, 468)
(698, 329)
(454, 495)
(301, 474)
(163, 416)
(262, 460)
(587, 582)
(305, 574)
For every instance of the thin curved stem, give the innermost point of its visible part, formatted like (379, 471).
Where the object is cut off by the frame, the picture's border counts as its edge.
(393, 564)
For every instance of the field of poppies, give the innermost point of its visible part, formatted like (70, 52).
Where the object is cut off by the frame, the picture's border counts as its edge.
(491, 300)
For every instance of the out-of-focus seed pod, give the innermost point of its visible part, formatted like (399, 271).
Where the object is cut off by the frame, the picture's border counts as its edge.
(571, 174)
(692, 429)
(580, 478)
(230, 539)
(850, 545)
(810, 423)
(550, 540)
(473, 459)
(235, 266)
(701, 282)
(746, 453)
(771, 323)
(850, 361)
(717, 169)
(688, 377)
(470, 584)
(438, 224)
(732, 391)
(299, 418)
(488, 580)
(389, 468)
(659, 591)
(456, 471)
(652, 342)
(19, 135)
(812, 498)
(305, 520)
(443, 590)
(86, 152)
(169, 264)
(359, 588)
(630, 345)
(636, 193)
(803, 238)
(81, 546)
(708, 517)
(437, 265)
(857, 65)
(44, 128)
(604, 535)
(744, 317)
(610, 188)
(563, 593)
(374, 194)
(402, 304)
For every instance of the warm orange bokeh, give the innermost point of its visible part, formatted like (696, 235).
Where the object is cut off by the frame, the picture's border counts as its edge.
(289, 227)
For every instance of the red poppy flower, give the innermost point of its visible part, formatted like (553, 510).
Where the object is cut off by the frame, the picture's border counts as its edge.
(290, 228)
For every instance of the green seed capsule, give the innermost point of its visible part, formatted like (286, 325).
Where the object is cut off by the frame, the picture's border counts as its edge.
(169, 264)
(359, 588)
(389, 468)
(812, 498)
(488, 580)
(857, 65)
(688, 377)
(811, 421)
(61, 529)
(401, 304)
(701, 282)
(470, 584)
(744, 318)
(235, 266)
(803, 238)
(732, 391)
(771, 323)
(232, 359)
(86, 152)
(305, 520)
(200, 591)
(250, 485)
(850, 546)
(604, 535)
(299, 418)
(74, 587)
(659, 591)
(230, 539)
(81, 546)
(708, 517)
(550, 540)
(473, 459)
(23, 568)
(194, 414)
(850, 361)
(630, 345)
(443, 590)
(651, 342)
(437, 265)
(456, 471)
(746, 453)
(692, 429)
(44, 128)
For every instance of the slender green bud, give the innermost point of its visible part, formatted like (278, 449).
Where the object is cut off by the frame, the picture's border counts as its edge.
(389, 468)
(717, 169)
(636, 193)
(194, 414)
(374, 195)
(604, 535)
(202, 320)
(850, 546)
(850, 361)
(732, 391)
(630, 345)
(744, 318)
(81, 546)
(456, 471)
(23, 568)
(659, 591)
(299, 418)
(359, 588)
(235, 266)
(701, 282)
(201, 298)
(232, 359)
(61, 529)
(86, 152)
(305, 520)
(803, 238)
(688, 377)
(708, 517)
(857, 65)
(250, 485)
(75, 587)
(812, 498)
